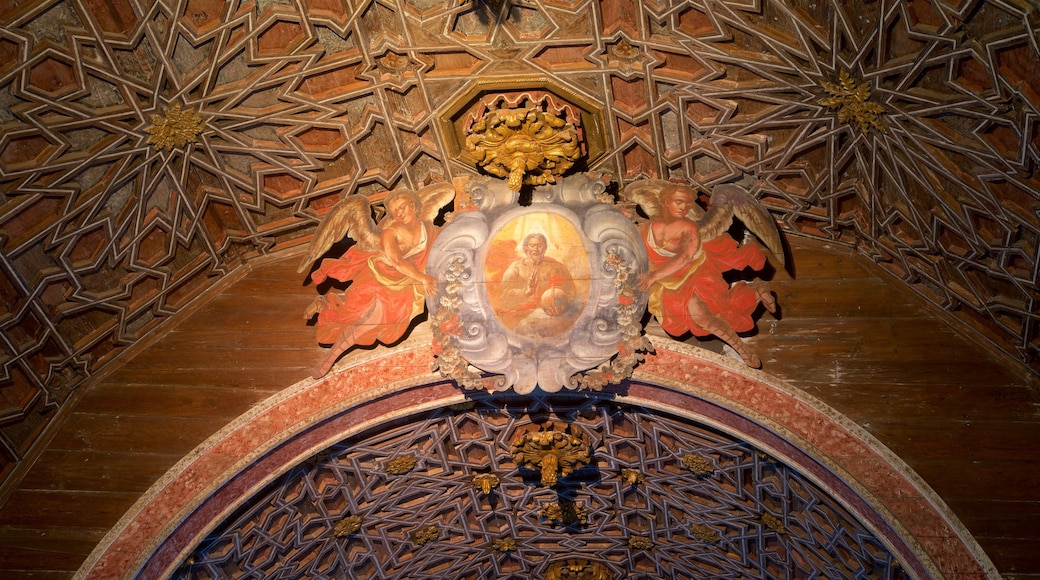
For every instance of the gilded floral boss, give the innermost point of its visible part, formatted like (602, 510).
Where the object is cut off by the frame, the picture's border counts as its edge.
(514, 143)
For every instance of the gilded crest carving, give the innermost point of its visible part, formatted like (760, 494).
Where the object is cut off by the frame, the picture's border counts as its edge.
(850, 99)
(566, 513)
(426, 534)
(506, 544)
(401, 465)
(348, 526)
(524, 145)
(577, 569)
(176, 128)
(485, 482)
(552, 449)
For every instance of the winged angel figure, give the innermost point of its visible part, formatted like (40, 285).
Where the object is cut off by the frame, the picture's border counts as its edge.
(386, 268)
(690, 249)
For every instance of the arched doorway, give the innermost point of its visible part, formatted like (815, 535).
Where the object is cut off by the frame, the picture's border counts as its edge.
(697, 468)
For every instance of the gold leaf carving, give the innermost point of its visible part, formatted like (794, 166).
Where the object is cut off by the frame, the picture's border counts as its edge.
(426, 535)
(577, 569)
(640, 543)
(178, 128)
(773, 523)
(554, 450)
(485, 482)
(624, 49)
(401, 465)
(632, 476)
(704, 533)
(347, 526)
(850, 99)
(505, 544)
(524, 145)
(697, 464)
(567, 513)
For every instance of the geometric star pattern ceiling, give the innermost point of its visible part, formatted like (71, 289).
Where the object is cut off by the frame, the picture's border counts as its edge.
(909, 130)
(700, 504)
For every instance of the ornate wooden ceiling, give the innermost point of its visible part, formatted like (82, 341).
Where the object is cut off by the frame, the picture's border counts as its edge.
(657, 497)
(148, 148)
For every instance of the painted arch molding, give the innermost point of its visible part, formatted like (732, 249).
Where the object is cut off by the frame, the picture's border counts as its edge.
(700, 468)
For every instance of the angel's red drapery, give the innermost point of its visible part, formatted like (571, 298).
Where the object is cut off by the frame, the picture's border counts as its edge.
(380, 301)
(669, 298)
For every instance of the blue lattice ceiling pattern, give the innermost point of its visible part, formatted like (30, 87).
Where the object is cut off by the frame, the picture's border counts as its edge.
(148, 148)
(660, 498)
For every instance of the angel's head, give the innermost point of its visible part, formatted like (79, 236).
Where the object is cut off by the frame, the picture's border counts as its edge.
(676, 200)
(402, 205)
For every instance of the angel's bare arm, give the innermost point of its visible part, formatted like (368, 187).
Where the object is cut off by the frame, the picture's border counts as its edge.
(392, 252)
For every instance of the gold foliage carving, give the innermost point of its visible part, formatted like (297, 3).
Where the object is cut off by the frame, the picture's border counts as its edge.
(623, 49)
(640, 543)
(524, 145)
(485, 482)
(773, 523)
(401, 465)
(632, 476)
(176, 129)
(567, 513)
(850, 99)
(505, 544)
(577, 569)
(347, 526)
(426, 534)
(704, 533)
(552, 449)
(697, 464)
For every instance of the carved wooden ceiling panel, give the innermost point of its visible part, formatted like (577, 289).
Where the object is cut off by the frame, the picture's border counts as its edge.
(149, 147)
(657, 497)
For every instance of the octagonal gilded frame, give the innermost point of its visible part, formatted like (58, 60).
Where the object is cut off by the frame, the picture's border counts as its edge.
(452, 118)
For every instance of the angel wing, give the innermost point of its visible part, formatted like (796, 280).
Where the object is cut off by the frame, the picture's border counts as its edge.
(647, 193)
(729, 200)
(433, 198)
(352, 217)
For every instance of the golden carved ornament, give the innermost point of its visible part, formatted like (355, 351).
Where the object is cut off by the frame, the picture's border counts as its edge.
(640, 543)
(524, 145)
(401, 465)
(178, 128)
(632, 476)
(704, 533)
(426, 534)
(773, 523)
(505, 544)
(624, 49)
(347, 526)
(567, 513)
(485, 482)
(697, 464)
(552, 449)
(850, 99)
(577, 569)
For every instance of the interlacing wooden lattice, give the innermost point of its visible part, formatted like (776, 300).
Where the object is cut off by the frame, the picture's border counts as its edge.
(908, 129)
(705, 505)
